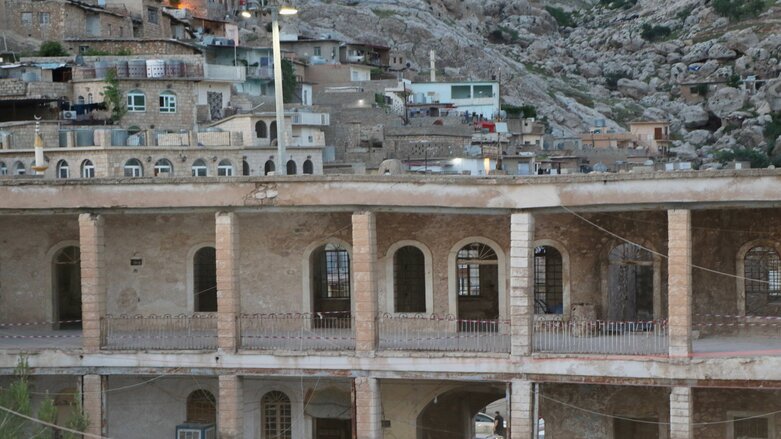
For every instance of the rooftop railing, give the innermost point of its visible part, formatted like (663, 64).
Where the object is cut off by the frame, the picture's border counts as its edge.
(431, 332)
(298, 331)
(160, 332)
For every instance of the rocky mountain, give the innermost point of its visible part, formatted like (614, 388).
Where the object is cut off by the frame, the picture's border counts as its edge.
(581, 60)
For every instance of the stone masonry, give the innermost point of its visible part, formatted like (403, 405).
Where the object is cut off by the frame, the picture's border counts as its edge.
(93, 387)
(365, 284)
(368, 408)
(231, 412)
(681, 411)
(521, 282)
(228, 285)
(521, 410)
(680, 282)
(93, 278)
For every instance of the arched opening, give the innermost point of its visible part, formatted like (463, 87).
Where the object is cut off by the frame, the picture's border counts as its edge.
(477, 283)
(630, 284)
(244, 168)
(205, 280)
(201, 407)
(225, 168)
(67, 287)
(291, 167)
(548, 281)
(458, 413)
(19, 169)
(762, 272)
(199, 168)
(330, 271)
(276, 416)
(308, 167)
(3, 169)
(409, 280)
(63, 170)
(133, 168)
(164, 168)
(273, 130)
(268, 167)
(261, 132)
(87, 169)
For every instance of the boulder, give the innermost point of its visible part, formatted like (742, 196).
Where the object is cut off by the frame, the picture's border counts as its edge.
(750, 137)
(720, 51)
(698, 137)
(694, 116)
(590, 70)
(633, 88)
(697, 52)
(740, 41)
(726, 100)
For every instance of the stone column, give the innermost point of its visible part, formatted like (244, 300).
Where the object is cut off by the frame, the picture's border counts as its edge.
(679, 282)
(681, 413)
(93, 279)
(521, 410)
(368, 408)
(92, 391)
(228, 292)
(365, 280)
(231, 407)
(521, 282)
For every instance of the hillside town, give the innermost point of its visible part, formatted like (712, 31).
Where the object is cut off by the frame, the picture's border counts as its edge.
(245, 219)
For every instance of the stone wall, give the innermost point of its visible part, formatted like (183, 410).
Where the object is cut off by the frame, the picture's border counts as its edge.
(12, 88)
(135, 46)
(49, 89)
(183, 118)
(718, 405)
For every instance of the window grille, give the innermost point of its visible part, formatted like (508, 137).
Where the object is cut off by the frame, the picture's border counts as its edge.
(468, 267)
(201, 407)
(277, 417)
(548, 281)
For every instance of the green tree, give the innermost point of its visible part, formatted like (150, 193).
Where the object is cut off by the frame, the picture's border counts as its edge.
(288, 81)
(563, 18)
(113, 96)
(739, 9)
(51, 48)
(733, 81)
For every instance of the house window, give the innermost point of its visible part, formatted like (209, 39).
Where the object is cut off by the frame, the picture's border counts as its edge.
(762, 268)
(460, 92)
(225, 169)
(205, 280)
(277, 418)
(291, 167)
(19, 169)
(151, 15)
(3, 169)
(268, 167)
(309, 167)
(163, 168)
(133, 168)
(317, 51)
(167, 102)
(201, 407)
(89, 98)
(548, 281)
(27, 19)
(331, 272)
(136, 101)
(44, 18)
(199, 168)
(409, 280)
(121, 31)
(745, 426)
(630, 283)
(474, 262)
(260, 130)
(63, 171)
(87, 169)
(483, 91)
(245, 168)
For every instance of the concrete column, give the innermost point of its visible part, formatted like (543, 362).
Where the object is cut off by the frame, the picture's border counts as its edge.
(681, 413)
(521, 410)
(93, 279)
(231, 407)
(92, 388)
(521, 282)
(368, 408)
(365, 280)
(679, 272)
(228, 292)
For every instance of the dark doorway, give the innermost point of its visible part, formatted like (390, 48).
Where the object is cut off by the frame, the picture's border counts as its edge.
(205, 280)
(477, 277)
(333, 428)
(630, 284)
(409, 280)
(273, 131)
(330, 266)
(67, 287)
(644, 429)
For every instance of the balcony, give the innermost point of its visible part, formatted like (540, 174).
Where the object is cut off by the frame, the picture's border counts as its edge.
(298, 331)
(160, 332)
(40, 335)
(443, 333)
(214, 72)
(726, 335)
(261, 72)
(556, 335)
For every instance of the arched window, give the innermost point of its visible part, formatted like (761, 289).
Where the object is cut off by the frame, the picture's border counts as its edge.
(133, 168)
(199, 168)
(225, 168)
(762, 270)
(66, 278)
(136, 101)
(244, 167)
(80, 100)
(164, 168)
(3, 169)
(87, 169)
(201, 407)
(630, 284)
(273, 130)
(548, 281)
(409, 280)
(63, 170)
(277, 416)
(477, 285)
(89, 98)
(261, 132)
(268, 167)
(308, 167)
(19, 168)
(205, 280)
(167, 102)
(331, 272)
(291, 167)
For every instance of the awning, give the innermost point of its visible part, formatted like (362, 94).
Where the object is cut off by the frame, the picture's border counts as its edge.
(50, 65)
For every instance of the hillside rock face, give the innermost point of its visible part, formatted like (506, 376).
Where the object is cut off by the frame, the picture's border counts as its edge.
(604, 68)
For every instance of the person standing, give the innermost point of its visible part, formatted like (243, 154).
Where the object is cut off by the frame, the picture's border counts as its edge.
(498, 424)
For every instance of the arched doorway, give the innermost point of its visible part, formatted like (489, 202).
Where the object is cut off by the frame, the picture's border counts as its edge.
(451, 415)
(630, 284)
(330, 271)
(66, 277)
(205, 280)
(276, 416)
(260, 130)
(291, 167)
(477, 283)
(268, 167)
(273, 131)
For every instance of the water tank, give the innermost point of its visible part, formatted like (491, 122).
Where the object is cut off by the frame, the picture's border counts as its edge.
(122, 69)
(136, 68)
(63, 138)
(155, 68)
(119, 137)
(85, 137)
(174, 68)
(101, 68)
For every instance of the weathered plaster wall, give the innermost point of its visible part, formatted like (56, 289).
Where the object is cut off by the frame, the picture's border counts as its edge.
(717, 405)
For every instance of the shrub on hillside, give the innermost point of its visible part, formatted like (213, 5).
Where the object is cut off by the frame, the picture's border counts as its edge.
(739, 9)
(563, 18)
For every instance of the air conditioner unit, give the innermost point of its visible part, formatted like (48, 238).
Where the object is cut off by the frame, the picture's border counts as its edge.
(195, 431)
(68, 115)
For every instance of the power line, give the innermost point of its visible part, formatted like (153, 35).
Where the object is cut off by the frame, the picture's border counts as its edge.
(48, 424)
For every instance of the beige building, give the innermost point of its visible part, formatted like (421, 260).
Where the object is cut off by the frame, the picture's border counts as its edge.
(399, 306)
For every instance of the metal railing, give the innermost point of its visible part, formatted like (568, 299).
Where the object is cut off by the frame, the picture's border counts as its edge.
(443, 333)
(298, 331)
(600, 337)
(164, 332)
(728, 325)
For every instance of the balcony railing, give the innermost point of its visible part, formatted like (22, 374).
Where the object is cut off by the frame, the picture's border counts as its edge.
(298, 332)
(601, 337)
(217, 72)
(443, 333)
(163, 332)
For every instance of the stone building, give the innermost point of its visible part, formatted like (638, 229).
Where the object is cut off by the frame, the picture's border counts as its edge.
(602, 306)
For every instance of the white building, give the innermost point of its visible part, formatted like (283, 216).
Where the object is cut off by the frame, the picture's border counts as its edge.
(481, 97)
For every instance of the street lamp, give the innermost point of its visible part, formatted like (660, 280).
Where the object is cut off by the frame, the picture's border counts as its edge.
(276, 10)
